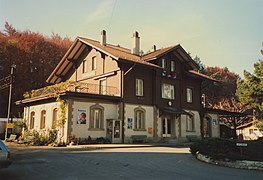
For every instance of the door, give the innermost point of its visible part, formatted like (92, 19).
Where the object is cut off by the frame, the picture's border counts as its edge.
(114, 131)
(117, 131)
(207, 127)
(167, 126)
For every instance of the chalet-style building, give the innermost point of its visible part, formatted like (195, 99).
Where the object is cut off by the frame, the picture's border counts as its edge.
(249, 131)
(118, 93)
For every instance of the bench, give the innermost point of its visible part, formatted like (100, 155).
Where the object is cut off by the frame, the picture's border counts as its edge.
(11, 138)
(192, 138)
(138, 138)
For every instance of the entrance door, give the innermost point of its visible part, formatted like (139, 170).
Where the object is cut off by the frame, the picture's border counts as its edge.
(167, 126)
(207, 127)
(114, 131)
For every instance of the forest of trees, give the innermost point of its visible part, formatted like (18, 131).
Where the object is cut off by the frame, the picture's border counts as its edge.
(34, 56)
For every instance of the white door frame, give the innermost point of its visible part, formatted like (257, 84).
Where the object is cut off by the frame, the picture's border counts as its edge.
(166, 119)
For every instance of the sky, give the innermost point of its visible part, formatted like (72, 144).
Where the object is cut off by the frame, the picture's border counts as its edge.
(224, 33)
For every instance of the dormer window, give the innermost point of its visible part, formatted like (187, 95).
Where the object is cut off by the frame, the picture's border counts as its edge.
(164, 63)
(94, 63)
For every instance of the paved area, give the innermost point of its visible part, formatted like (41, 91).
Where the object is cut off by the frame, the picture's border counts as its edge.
(114, 162)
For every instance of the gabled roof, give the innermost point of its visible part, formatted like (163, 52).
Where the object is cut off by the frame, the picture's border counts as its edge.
(156, 54)
(179, 52)
(116, 52)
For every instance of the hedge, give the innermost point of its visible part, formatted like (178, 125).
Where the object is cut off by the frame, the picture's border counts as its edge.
(227, 149)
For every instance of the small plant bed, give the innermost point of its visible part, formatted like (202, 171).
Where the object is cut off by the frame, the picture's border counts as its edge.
(86, 141)
(229, 149)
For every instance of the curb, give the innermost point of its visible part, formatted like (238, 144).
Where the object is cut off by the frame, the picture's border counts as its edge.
(251, 165)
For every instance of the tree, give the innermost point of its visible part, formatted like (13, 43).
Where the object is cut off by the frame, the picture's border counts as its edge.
(250, 89)
(221, 95)
(201, 66)
(35, 57)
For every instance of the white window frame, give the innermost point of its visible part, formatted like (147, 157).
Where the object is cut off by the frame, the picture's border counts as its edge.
(189, 95)
(168, 91)
(164, 63)
(139, 87)
(32, 119)
(103, 86)
(54, 118)
(172, 66)
(96, 121)
(43, 119)
(139, 119)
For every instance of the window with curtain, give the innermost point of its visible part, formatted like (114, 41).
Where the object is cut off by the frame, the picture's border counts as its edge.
(139, 119)
(168, 91)
(96, 117)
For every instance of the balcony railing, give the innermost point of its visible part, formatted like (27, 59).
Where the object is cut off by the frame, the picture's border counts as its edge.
(73, 87)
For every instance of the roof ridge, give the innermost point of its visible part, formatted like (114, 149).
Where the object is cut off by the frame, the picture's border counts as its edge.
(108, 45)
(160, 49)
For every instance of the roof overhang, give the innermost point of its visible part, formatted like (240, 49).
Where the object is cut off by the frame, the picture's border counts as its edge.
(225, 113)
(67, 62)
(173, 110)
(200, 76)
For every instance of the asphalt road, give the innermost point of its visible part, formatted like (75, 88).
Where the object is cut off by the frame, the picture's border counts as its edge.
(115, 163)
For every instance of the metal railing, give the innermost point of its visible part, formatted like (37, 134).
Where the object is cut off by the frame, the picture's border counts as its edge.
(73, 87)
(93, 89)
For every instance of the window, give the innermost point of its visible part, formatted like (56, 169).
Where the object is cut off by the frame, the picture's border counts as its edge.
(190, 122)
(164, 63)
(43, 119)
(96, 119)
(55, 118)
(189, 95)
(32, 120)
(139, 87)
(94, 63)
(84, 66)
(167, 91)
(139, 120)
(172, 66)
(103, 87)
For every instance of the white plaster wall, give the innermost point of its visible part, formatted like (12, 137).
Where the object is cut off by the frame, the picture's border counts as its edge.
(149, 120)
(82, 130)
(215, 127)
(37, 109)
(197, 125)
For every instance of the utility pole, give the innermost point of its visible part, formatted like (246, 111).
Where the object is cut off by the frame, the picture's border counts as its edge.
(10, 96)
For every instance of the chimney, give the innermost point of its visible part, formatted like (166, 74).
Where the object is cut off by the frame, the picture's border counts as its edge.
(153, 48)
(103, 38)
(135, 43)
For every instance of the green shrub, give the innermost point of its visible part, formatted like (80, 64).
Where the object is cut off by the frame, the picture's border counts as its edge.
(221, 149)
(40, 139)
